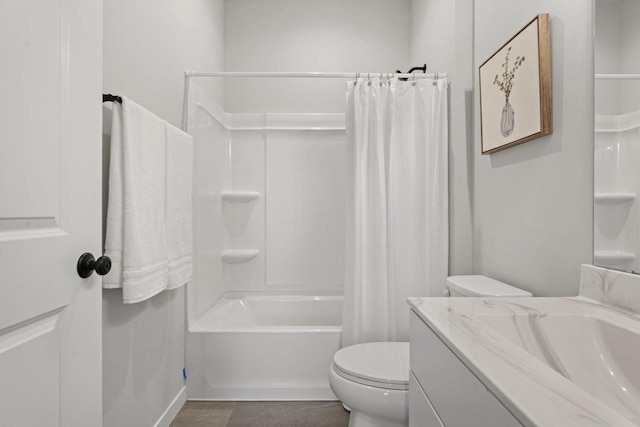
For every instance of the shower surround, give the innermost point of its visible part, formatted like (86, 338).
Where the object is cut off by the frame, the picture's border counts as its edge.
(265, 306)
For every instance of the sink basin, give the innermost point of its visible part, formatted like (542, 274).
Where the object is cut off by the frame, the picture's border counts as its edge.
(599, 353)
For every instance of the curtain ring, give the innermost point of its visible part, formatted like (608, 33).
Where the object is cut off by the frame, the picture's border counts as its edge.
(413, 83)
(368, 79)
(435, 79)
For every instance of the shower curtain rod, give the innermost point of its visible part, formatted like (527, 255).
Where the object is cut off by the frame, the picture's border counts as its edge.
(618, 76)
(311, 74)
(189, 74)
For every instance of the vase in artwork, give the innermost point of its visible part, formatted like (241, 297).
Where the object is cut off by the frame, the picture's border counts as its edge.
(507, 119)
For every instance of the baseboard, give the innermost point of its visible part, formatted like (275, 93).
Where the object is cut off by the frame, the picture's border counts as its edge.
(173, 409)
(264, 394)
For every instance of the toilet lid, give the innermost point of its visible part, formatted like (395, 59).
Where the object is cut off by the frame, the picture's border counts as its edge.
(483, 286)
(378, 362)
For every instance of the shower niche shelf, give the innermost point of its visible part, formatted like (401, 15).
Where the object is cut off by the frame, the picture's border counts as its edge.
(239, 196)
(237, 256)
(614, 198)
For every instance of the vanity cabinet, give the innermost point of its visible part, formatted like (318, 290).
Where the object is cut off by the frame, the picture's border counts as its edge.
(443, 391)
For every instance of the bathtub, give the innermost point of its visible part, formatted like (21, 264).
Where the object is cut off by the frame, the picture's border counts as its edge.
(264, 347)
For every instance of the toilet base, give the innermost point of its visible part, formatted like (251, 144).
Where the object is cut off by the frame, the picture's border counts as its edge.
(359, 419)
(371, 406)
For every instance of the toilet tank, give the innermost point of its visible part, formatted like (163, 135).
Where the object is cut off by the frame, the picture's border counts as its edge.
(482, 286)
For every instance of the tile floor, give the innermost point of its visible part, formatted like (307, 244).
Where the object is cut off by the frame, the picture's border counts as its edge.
(262, 414)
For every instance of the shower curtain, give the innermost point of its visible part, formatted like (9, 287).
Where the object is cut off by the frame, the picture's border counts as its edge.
(397, 204)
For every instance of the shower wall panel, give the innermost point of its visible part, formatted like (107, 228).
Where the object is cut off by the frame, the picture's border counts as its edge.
(297, 222)
(306, 176)
(211, 174)
(244, 222)
(269, 202)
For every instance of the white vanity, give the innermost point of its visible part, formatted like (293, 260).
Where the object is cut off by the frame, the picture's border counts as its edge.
(529, 361)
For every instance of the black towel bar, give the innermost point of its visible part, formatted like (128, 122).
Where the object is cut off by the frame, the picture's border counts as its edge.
(111, 98)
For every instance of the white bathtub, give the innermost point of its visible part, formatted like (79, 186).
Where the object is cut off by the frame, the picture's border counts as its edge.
(258, 347)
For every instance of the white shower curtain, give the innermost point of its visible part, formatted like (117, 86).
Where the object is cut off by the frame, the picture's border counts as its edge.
(397, 204)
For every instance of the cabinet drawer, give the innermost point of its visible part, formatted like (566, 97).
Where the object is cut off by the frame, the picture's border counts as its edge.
(421, 413)
(459, 398)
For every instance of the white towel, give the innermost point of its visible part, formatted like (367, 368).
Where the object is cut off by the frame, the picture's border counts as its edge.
(179, 181)
(136, 234)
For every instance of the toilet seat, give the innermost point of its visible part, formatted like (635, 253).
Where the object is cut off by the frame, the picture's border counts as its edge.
(376, 364)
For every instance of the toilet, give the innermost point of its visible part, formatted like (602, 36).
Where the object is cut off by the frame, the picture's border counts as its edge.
(372, 379)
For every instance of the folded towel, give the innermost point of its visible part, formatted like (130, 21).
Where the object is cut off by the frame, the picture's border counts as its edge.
(136, 234)
(178, 217)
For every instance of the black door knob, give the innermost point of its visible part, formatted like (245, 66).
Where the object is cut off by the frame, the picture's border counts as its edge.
(87, 264)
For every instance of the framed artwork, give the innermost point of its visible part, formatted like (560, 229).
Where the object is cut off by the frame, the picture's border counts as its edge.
(516, 103)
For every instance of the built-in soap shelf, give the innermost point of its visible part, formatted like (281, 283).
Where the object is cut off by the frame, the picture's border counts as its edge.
(237, 256)
(614, 198)
(613, 257)
(239, 196)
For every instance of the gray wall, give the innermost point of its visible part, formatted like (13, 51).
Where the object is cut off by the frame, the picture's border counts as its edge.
(309, 35)
(629, 58)
(442, 37)
(523, 215)
(147, 46)
(533, 204)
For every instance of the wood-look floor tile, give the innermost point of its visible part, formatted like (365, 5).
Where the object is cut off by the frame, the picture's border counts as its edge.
(289, 414)
(204, 414)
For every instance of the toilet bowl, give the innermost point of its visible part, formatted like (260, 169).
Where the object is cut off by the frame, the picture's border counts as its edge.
(372, 379)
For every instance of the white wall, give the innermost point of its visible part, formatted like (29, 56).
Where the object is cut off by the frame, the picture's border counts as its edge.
(617, 41)
(143, 356)
(533, 204)
(149, 44)
(309, 35)
(147, 47)
(608, 43)
(629, 57)
(442, 36)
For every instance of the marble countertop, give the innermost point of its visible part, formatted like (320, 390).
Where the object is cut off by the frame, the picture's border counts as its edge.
(535, 390)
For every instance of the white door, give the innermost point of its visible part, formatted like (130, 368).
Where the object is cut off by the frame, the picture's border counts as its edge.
(50, 113)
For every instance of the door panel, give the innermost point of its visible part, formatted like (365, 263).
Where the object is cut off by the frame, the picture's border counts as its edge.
(36, 346)
(50, 181)
(32, 40)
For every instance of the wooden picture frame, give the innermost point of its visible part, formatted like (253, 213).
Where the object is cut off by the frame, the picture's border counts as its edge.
(516, 102)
